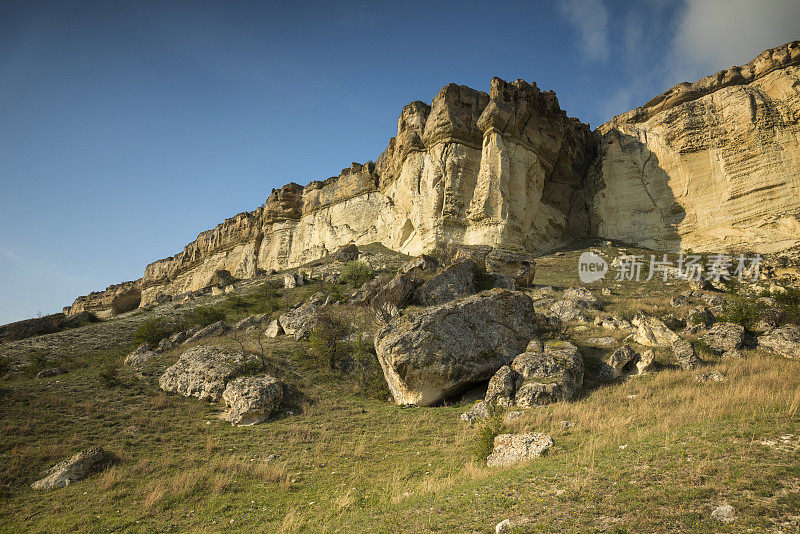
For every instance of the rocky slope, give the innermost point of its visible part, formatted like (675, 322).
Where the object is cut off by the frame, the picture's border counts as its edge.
(711, 165)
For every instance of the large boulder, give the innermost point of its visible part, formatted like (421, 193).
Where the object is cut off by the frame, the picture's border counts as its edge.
(301, 321)
(73, 469)
(444, 349)
(213, 330)
(784, 341)
(346, 253)
(251, 399)
(519, 266)
(514, 448)
(420, 263)
(500, 391)
(652, 332)
(724, 337)
(551, 374)
(204, 371)
(685, 354)
(395, 294)
(457, 280)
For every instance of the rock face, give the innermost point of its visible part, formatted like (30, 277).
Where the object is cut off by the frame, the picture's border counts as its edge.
(514, 448)
(502, 169)
(74, 469)
(540, 375)
(252, 399)
(444, 349)
(203, 372)
(710, 165)
(784, 341)
(115, 299)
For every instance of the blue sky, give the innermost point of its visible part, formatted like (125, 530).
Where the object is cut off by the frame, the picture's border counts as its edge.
(129, 127)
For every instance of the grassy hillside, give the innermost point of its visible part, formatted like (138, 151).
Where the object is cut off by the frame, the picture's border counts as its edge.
(654, 453)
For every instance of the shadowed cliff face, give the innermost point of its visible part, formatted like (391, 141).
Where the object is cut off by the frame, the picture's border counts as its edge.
(713, 165)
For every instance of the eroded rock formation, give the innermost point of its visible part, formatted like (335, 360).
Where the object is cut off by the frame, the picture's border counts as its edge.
(711, 165)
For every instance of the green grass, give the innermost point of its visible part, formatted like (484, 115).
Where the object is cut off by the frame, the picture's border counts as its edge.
(652, 454)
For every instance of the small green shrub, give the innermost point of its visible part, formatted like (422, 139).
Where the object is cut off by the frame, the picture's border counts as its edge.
(356, 273)
(325, 340)
(5, 365)
(152, 330)
(742, 311)
(204, 316)
(484, 441)
(366, 370)
(334, 291)
(109, 376)
(790, 303)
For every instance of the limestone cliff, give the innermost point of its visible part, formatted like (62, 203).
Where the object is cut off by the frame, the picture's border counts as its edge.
(712, 165)
(504, 169)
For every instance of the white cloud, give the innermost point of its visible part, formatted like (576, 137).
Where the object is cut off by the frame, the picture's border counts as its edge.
(716, 34)
(590, 19)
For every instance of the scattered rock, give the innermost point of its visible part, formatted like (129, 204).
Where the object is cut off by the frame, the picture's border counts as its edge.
(203, 372)
(251, 399)
(652, 332)
(646, 363)
(566, 425)
(622, 362)
(519, 266)
(613, 323)
(292, 280)
(457, 280)
(601, 342)
(214, 329)
(679, 300)
(713, 376)
(274, 329)
(540, 375)
(685, 354)
(301, 321)
(500, 391)
(420, 263)
(784, 341)
(573, 305)
(53, 371)
(724, 513)
(444, 349)
(701, 317)
(724, 337)
(514, 448)
(503, 527)
(140, 355)
(250, 323)
(74, 469)
(346, 253)
(479, 412)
